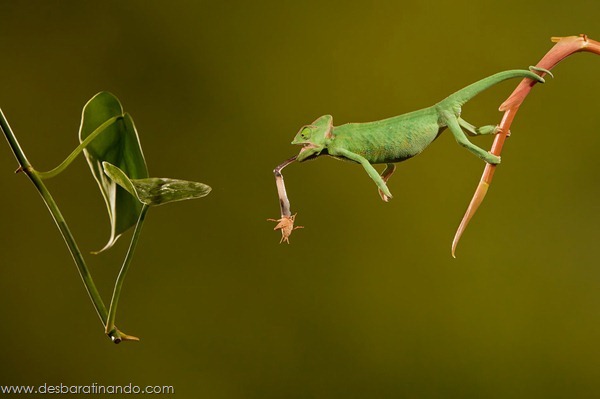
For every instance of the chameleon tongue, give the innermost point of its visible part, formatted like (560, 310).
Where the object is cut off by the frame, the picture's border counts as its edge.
(286, 222)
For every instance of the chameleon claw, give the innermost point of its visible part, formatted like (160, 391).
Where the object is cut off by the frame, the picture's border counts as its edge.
(499, 130)
(286, 225)
(384, 197)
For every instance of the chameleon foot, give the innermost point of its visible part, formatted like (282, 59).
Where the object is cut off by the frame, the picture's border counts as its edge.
(383, 196)
(492, 159)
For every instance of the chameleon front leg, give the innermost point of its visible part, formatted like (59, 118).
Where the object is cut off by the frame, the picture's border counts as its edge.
(371, 171)
(389, 170)
(478, 131)
(453, 124)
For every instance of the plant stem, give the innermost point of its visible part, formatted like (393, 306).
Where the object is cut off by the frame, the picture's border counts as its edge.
(64, 164)
(564, 47)
(84, 272)
(70, 241)
(284, 202)
(13, 143)
(112, 313)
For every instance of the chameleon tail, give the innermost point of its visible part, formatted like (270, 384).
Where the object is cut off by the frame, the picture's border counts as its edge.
(462, 96)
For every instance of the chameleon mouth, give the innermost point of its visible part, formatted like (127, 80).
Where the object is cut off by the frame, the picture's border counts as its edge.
(307, 146)
(308, 151)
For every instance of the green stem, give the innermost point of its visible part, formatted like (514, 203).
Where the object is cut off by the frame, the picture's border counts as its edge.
(112, 313)
(64, 164)
(70, 241)
(84, 272)
(13, 143)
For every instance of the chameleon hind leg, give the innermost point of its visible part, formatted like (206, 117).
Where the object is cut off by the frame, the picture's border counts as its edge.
(389, 170)
(453, 124)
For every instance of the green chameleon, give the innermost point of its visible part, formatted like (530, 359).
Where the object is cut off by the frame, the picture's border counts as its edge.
(394, 139)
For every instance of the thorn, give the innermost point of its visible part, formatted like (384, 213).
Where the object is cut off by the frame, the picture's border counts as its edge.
(125, 337)
(19, 170)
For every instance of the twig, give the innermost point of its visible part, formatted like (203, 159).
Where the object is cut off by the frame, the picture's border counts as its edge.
(286, 222)
(564, 47)
(24, 165)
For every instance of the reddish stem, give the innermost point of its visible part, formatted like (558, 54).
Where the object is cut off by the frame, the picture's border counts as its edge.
(564, 47)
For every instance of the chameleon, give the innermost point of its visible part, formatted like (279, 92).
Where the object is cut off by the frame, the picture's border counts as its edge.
(392, 140)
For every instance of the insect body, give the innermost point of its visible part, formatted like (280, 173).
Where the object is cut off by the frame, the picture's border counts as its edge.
(286, 225)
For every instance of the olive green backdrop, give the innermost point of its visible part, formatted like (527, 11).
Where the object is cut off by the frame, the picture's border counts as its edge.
(366, 302)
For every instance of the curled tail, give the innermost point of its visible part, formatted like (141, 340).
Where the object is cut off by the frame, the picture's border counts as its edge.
(463, 95)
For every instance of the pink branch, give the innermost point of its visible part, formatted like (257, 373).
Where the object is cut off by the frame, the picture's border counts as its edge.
(564, 47)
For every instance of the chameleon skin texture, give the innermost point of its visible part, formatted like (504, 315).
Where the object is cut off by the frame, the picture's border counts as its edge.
(389, 140)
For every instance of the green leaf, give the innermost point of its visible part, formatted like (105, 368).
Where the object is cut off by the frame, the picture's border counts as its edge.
(118, 144)
(155, 191)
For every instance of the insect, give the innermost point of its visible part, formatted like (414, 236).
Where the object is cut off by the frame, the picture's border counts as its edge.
(392, 140)
(286, 225)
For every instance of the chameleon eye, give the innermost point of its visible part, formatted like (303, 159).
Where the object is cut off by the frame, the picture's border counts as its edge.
(305, 134)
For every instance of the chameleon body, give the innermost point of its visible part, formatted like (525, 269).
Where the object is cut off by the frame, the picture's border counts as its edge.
(401, 137)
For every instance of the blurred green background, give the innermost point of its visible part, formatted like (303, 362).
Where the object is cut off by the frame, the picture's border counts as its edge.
(366, 302)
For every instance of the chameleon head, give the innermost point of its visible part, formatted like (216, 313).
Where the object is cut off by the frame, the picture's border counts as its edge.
(314, 138)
